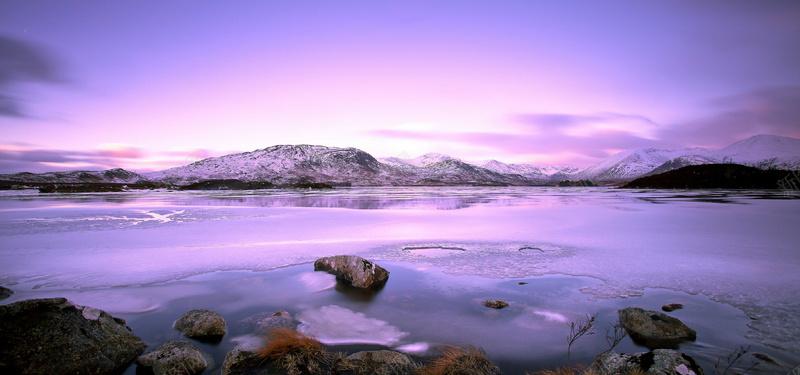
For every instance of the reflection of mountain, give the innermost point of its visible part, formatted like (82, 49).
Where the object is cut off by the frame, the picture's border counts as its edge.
(303, 164)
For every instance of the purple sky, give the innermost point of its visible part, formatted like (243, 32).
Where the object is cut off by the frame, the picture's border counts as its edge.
(152, 84)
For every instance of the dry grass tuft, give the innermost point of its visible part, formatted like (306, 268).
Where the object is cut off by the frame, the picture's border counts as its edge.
(292, 351)
(455, 360)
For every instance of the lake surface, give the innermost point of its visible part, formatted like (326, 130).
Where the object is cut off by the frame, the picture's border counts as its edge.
(730, 256)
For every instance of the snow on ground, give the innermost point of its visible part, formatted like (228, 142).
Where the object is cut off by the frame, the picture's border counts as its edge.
(736, 248)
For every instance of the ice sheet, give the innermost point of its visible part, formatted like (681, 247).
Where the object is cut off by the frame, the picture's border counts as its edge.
(739, 248)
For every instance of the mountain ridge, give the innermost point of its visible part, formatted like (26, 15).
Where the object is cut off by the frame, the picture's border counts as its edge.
(286, 165)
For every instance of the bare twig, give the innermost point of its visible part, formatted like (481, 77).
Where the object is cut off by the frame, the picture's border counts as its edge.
(576, 330)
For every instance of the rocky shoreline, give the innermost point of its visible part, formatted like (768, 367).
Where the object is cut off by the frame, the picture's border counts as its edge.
(56, 336)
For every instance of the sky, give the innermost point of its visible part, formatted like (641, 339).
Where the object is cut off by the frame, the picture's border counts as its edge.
(148, 85)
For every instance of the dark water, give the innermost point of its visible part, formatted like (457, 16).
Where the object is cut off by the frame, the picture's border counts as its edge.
(433, 308)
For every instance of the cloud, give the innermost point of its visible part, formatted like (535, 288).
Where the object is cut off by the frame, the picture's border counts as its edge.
(772, 110)
(27, 158)
(592, 137)
(23, 62)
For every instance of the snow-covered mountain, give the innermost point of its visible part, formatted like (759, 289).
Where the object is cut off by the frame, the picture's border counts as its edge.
(530, 171)
(419, 162)
(288, 165)
(293, 164)
(762, 151)
(284, 164)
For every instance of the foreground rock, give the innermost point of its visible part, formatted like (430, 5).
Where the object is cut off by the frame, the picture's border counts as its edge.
(656, 362)
(200, 324)
(357, 271)
(264, 322)
(654, 329)
(174, 358)
(238, 362)
(5, 292)
(55, 336)
(379, 361)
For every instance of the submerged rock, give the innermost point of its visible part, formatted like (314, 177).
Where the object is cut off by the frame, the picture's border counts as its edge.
(672, 307)
(56, 336)
(654, 329)
(656, 362)
(201, 324)
(263, 322)
(5, 292)
(174, 358)
(357, 271)
(495, 304)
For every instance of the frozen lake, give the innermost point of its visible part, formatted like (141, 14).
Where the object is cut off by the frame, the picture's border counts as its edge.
(731, 257)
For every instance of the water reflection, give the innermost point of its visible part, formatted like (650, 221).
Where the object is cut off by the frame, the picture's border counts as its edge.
(388, 198)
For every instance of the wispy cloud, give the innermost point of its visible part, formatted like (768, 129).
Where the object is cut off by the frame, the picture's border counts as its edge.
(24, 62)
(773, 110)
(592, 137)
(15, 158)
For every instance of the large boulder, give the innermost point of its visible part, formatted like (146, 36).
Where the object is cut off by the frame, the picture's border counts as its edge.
(654, 329)
(56, 336)
(204, 325)
(656, 362)
(174, 358)
(357, 271)
(262, 323)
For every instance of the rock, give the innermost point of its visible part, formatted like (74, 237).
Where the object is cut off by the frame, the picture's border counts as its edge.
(263, 322)
(495, 304)
(358, 271)
(656, 362)
(201, 325)
(238, 362)
(672, 307)
(5, 292)
(654, 329)
(174, 358)
(56, 336)
(378, 360)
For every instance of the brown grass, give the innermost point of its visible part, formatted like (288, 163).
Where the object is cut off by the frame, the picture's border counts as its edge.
(293, 351)
(455, 360)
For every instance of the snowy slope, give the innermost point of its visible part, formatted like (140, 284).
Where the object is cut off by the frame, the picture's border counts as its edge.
(761, 150)
(528, 170)
(630, 164)
(284, 164)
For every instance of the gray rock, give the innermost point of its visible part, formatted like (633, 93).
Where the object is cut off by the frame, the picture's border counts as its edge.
(654, 329)
(5, 292)
(379, 358)
(174, 358)
(238, 362)
(263, 322)
(358, 271)
(55, 336)
(656, 362)
(495, 304)
(201, 324)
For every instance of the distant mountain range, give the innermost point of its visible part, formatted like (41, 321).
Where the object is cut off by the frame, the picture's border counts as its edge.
(287, 165)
